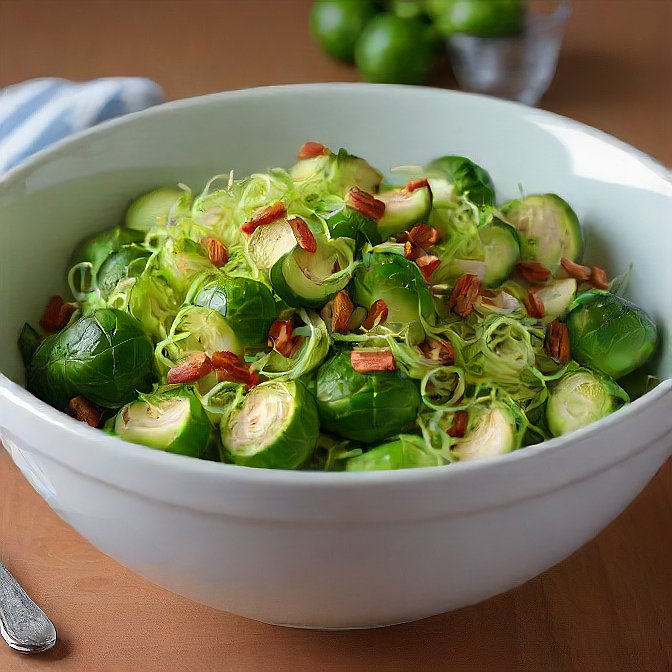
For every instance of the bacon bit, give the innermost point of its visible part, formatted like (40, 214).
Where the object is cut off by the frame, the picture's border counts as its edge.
(438, 351)
(414, 185)
(309, 150)
(534, 305)
(216, 251)
(57, 314)
(369, 361)
(281, 338)
(533, 271)
(189, 371)
(427, 263)
(556, 342)
(598, 278)
(365, 203)
(232, 368)
(459, 426)
(268, 215)
(84, 410)
(342, 311)
(464, 294)
(574, 270)
(304, 236)
(377, 315)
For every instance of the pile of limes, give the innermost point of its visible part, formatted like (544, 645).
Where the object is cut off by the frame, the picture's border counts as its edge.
(395, 41)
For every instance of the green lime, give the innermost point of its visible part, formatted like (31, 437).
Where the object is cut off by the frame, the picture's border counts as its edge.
(393, 50)
(336, 24)
(483, 18)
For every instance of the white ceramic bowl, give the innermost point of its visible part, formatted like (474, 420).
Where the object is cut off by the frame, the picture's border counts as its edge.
(334, 549)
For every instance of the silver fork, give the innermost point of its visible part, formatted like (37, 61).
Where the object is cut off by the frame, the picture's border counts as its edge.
(23, 625)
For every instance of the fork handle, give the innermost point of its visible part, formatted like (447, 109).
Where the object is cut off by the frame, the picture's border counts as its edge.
(23, 625)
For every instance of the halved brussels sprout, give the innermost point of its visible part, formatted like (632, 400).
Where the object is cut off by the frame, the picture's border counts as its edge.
(452, 176)
(403, 209)
(310, 279)
(581, 397)
(105, 356)
(365, 407)
(398, 282)
(547, 227)
(610, 334)
(247, 305)
(407, 452)
(270, 242)
(493, 428)
(153, 208)
(501, 252)
(179, 261)
(336, 174)
(170, 419)
(276, 427)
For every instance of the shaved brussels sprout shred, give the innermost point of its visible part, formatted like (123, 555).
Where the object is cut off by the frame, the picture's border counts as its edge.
(322, 318)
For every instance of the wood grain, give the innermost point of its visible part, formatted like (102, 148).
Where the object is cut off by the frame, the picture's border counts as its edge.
(608, 608)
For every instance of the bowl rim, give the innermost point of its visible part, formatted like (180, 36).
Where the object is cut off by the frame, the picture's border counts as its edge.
(16, 394)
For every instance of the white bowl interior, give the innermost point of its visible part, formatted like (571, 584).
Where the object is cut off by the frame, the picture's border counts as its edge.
(622, 198)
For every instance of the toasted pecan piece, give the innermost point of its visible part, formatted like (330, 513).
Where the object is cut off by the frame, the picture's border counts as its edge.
(267, 215)
(458, 428)
(373, 359)
(216, 251)
(57, 314)
(438, 351)
(427, 264)
(232, 368)
(556, 342)
(418, 183)
(310, 149)
(365, 203)
(574, 270)
(190, 370)
(342, 309)
(464, 294)
(84, 410)
(534, 305)
(281, 338)
(304, 236)
(377, 314)
(533, 271)
(598, 278)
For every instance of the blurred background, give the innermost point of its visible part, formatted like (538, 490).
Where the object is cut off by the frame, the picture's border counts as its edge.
(614, 69)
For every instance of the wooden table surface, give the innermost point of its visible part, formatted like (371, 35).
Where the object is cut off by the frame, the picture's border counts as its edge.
(607, 608)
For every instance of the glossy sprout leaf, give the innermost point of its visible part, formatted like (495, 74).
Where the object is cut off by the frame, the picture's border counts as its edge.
(407, 452)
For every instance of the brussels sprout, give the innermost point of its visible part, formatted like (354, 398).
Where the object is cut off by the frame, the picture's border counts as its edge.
(170, 419)
(399, 283)
(247, 305)
(610, 334)
(310, 279)
(581, 397)
(348, 223)
(153, 208)
(336, 174)
(493, 428)
(276, 427)
(407, 452)
(153, 301)
(270, 242)
(197, 329)
(118, 266)
(548, 228)
(105, 356)
(501, 252)
(365, 407)
(483, 18)
(180, 261)
(556, 297)
(96, 248)
(452, 176)
(403, 209)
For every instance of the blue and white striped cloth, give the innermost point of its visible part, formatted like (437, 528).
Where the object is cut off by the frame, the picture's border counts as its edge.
(36, 113)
